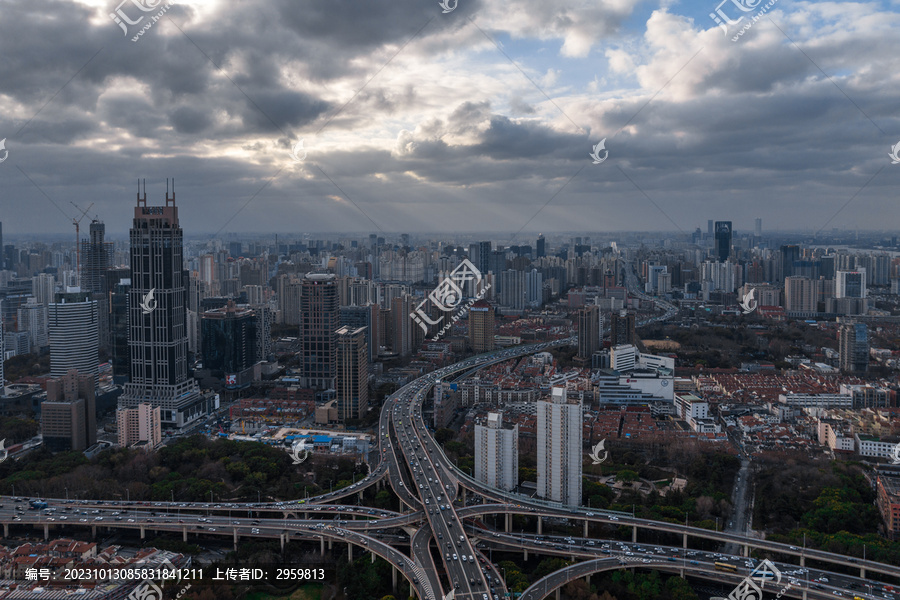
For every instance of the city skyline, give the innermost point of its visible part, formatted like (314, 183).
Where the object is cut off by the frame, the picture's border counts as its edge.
(414, 120)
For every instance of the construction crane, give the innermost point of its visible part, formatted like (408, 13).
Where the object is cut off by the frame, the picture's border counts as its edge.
(77, 224)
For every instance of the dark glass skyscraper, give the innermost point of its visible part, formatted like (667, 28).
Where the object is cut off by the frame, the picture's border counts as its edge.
(157, 324)
(96, 258)
(723, 240)
(319, 320)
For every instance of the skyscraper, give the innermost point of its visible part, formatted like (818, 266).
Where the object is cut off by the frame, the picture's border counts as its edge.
(790, 254)
(481, 327)
(364, 316)
(229, 341)
(69, 414)
(559, 452)
(854, 347)
(589, 326)
(352, 373)
(622, 329)
(497, 453)
(157, 317)
(74, 329)
(96, 258)
(319, 320)
(43, 288)
(757, 230)
(540, 247)
(723, 240)
(850, 284)
(480, 256)
(33, 319)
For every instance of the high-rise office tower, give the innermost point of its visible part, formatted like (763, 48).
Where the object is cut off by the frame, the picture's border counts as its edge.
(589, 325)
(559, 452)
(74, 330)
(480, 256)
(758, 227)
(352, 373)
(481, 327)
(709, 228)
(497, 453)
(854, 348)
(157, 317)
(69, 414)
(287, 298)
(790, 254)
(2, 256)
(364, 316)
(229, 339)
(120, 355)
(43, 288)
(96, 258)
(33, 319)
(319, 320)
(850, 284)
(622, 329)
(540, 247)
(723, 240)
(403, 329)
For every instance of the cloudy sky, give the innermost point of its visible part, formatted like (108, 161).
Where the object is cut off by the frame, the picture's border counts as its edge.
(478, 119)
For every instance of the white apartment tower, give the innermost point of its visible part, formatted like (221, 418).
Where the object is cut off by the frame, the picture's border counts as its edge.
(559, 422)
(497, 453)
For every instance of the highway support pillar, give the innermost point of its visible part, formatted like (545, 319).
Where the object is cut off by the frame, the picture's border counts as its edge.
(394, 579)
(557, 593)
(746, 550)
(540, 525)
(46, 531)
(862, 572)
(526, 555)
(634, 535)
(587, 580)
(93, 531)
(360, 496)
(235, 539)
(306, 516)
(508, 522)
(802, 561)
(322, 546)
(281, 539)
(6, 530)
(330, 543)
(143, 532)
(464, 495)
(373, 557)
(585, 534)
(184, 534)
(684, 541)
(349, 552)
